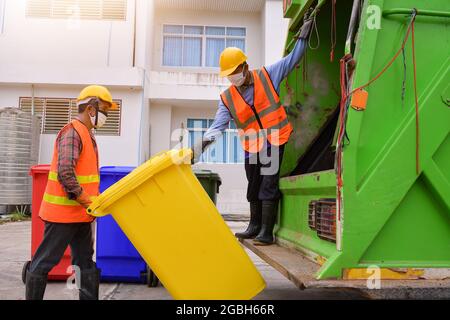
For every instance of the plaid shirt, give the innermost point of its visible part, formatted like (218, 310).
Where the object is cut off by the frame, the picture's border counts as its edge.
(69, 149)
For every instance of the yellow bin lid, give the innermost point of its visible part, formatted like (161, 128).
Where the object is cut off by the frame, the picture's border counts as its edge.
(156, 164)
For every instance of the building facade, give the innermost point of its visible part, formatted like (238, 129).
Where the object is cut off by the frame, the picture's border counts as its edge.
(158, 57)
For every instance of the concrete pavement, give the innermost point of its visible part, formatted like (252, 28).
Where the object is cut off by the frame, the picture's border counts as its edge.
(15, 250)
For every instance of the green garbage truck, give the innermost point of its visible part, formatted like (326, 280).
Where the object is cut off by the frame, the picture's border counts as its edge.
(366, 173)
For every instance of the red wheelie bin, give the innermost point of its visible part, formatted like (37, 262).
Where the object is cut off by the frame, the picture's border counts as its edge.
(39, 174)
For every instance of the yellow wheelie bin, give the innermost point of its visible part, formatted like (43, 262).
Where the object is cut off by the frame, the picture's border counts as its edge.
(170, 219)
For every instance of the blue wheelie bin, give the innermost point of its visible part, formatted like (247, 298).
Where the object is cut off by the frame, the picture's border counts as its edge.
(117, 258)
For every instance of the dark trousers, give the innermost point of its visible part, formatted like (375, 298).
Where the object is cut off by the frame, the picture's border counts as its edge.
(57, 236)
(263, 174)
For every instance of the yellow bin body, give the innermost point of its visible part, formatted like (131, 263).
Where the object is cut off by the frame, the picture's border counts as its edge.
(170, 219)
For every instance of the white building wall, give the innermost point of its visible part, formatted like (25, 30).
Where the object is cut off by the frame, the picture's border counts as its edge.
(60, 57)
(113, 150)
(275, 28)
(160, 127)
(60, 42)
(60, 51)
(143, 58)
(251, 21)
(232, 194)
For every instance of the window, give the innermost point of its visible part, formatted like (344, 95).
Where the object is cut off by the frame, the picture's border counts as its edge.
(57, 112)
(198, 46)
(227, 148)
(81, 9)
(182, 46)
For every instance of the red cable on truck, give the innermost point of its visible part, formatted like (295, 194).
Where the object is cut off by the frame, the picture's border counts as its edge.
(345, 102)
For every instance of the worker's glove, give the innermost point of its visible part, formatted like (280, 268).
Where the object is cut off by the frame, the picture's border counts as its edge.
(198, 149)
(84, 199)
(306, 28)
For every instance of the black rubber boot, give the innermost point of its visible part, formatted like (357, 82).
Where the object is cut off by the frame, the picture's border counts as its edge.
(269, 217)
(90, 282)
(35, 286)
(255, 222)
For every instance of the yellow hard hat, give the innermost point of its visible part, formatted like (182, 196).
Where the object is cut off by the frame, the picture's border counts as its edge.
(99, 92)
(230, 59)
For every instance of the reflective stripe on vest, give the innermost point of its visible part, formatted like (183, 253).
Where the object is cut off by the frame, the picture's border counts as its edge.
(53, 176)
(276, 127)
(63, 201)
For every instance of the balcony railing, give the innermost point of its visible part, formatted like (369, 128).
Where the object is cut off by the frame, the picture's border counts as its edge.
(189, 79)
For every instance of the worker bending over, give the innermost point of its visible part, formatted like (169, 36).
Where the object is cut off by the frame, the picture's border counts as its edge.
(253, 102)
(72, 183)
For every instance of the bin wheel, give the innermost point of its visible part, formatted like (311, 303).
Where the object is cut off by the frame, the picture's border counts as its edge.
(25, 268)
(152, 279)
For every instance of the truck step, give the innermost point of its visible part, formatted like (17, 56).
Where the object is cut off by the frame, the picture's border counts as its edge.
(300, 270)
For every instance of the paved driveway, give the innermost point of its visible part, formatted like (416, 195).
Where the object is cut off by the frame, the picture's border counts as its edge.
(15, 250)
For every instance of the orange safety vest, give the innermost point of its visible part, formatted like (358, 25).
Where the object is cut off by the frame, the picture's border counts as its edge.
(266, 119)
(56, 206)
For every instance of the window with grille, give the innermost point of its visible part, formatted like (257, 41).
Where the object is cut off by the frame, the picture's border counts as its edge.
(57, 112)
(198, 46)
(78, 9)
(226, 149)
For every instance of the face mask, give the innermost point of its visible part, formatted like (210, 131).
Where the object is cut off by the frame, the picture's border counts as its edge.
(100, 121)
(237, 79)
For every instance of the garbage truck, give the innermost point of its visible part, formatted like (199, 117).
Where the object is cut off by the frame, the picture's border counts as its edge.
(366, 173)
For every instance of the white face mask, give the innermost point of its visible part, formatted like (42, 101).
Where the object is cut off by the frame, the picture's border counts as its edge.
(237, 79)
(101, 120)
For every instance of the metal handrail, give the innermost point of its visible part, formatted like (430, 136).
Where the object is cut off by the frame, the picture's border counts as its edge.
(352, 26)
(407, 12)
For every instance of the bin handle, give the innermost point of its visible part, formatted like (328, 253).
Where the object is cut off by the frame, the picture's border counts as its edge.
(165, 151)
(92, 212)
(93, 208)
(95, 213)
(159, 154)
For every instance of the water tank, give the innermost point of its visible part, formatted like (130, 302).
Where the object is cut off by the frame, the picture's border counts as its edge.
(19, 150)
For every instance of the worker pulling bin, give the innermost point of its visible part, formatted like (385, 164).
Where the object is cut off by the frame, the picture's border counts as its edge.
(169, 218)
